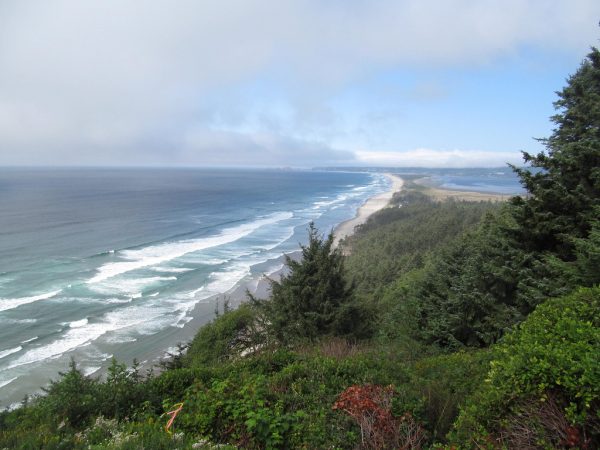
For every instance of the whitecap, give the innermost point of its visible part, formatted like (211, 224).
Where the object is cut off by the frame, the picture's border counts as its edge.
(70, 340)
(78, 323)
(29, 340)
(171, 269)
(157, 254)
(119, 300)
(11, 303)
(131, 287)
(4, 383)
(87, 371)
(10, 351)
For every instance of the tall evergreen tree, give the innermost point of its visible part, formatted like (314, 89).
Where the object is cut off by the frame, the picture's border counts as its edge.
(540, 246)
(564, 187)
(313, 298)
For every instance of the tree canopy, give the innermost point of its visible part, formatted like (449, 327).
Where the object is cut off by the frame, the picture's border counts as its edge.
(313, 298)
(564, 185)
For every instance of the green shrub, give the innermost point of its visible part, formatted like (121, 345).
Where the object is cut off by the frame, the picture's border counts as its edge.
(552, 359)
(72, 400)
(223, 338)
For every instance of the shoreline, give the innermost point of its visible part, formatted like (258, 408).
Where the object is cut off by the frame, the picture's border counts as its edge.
(371, 206)
(259, 287)
(341, 231)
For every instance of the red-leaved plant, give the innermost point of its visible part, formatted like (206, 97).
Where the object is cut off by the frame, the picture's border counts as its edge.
(370, 405)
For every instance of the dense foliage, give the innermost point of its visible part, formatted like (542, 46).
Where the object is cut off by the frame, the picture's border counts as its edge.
(389, 244)
(313, 299)
(565, 191)
(544, 384)
(486, 332)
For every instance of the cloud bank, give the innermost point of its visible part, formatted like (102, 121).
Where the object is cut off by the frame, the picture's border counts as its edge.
(237, 81)
(424, 157)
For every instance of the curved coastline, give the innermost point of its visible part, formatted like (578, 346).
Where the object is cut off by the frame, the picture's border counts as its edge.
(260, 287)
(372, 205)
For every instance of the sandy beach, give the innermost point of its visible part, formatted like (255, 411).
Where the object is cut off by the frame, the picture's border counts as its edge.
(371, 206)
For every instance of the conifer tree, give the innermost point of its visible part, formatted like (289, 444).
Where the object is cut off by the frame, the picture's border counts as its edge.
(313, 298)
(540, 246)
(564, 186)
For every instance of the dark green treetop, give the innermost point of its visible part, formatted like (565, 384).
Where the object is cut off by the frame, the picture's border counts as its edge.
(565, 188)
(313, 298)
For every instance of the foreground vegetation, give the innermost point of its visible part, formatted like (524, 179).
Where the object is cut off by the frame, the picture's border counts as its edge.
(447, 325)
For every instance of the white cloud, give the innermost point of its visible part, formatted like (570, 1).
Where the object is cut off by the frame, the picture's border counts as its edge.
(82, 78)
(423, 157)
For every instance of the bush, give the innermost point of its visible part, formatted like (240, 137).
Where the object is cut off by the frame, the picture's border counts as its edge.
(72, 400)
(313, 299)
(225, 337)
(551, 358)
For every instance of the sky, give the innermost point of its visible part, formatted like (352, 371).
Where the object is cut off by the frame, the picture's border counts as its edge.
(299, 83)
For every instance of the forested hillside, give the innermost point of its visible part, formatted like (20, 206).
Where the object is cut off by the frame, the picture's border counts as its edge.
(437, 325)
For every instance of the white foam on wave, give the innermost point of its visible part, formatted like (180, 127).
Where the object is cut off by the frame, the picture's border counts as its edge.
(138, 317)
(148, 317)
(87, 371)
(118, 300)
(78, 323)
(341, 198)
(10, 351)
(171, 269)
(11, 303)
(26, 341)
(278, 237)
(158, 254)
(224, 281)
(182, 319)
(4, 383)
(71, 339)
(131, 287)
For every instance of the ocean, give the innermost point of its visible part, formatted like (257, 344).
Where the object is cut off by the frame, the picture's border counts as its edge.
(96, 263)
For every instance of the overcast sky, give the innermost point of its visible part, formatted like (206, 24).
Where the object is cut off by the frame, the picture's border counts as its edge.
(269, 83)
